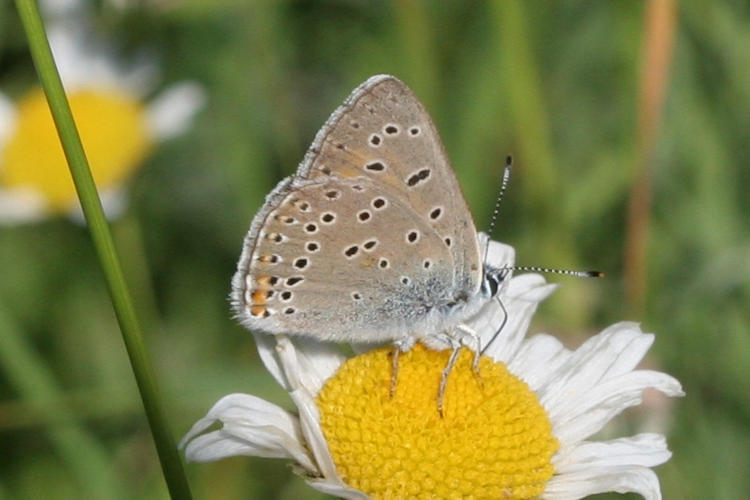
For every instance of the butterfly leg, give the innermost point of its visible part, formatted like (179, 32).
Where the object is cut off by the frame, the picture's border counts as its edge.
(475, 344)
(502, 324)
(444, 376)
(399, 346)
(395, 352)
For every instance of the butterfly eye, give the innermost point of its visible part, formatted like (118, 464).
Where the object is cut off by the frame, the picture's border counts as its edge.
(493, 283)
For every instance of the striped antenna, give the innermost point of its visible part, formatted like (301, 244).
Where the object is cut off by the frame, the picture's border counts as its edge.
(503, 187)
(535, 269)
(498, 201)
(546, 270)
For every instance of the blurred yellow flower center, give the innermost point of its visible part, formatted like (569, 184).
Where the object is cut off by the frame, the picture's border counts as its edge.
(114, 135)
(494, 440)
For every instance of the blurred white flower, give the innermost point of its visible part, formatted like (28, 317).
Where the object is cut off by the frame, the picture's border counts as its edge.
(518, 430)
(118, 122)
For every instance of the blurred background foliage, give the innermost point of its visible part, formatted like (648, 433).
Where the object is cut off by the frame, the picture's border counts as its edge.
(630, 127)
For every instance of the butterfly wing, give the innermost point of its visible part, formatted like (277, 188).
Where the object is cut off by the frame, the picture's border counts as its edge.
(371, 239)
(383, 124)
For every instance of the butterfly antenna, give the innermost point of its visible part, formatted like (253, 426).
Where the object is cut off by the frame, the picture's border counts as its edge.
(546, 270)
(497, 298)
(498, 201)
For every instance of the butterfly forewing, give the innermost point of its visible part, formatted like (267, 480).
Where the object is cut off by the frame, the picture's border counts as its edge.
(383, 132)
(370, 236)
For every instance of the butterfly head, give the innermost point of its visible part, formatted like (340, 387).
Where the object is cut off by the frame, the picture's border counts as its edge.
(497, 266)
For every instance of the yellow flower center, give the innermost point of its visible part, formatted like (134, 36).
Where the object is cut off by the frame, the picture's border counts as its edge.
(114, 135)
(493, 441)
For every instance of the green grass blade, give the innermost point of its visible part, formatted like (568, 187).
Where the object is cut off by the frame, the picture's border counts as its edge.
(102, 238)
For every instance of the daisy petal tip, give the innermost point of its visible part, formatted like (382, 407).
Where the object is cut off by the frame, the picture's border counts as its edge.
(639, 480)
(171, 113)
(7, 118)
(20, 206)
(672, 387)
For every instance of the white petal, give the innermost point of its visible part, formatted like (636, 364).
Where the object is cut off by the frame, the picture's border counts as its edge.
(7, 121)
(337, 490)
(172, 111)
(86, 61)
(309, 363)
(591, 362)
(643, 450)
(499, 255)
(595, 382)
(114, 201)
(538, 359)
(304, 388)
(585, 413)
(491, 316)
(316, 441)
(55, 8)
(21, 206)
(251, 426)
(520, 300)
(318, 361)
(74, 63)
(267, 351)
(641, 480)
(139, 76)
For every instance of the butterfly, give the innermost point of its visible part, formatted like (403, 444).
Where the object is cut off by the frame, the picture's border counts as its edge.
(371, 240)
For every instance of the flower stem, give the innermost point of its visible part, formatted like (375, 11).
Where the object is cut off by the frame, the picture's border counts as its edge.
(131, 333)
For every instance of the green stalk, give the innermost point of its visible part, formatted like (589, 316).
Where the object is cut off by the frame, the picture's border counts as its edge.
(105, 250)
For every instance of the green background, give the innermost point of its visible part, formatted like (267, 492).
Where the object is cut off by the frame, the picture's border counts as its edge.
(562, 87)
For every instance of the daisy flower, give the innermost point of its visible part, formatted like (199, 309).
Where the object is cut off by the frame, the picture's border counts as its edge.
(118, 126)
(520, 429)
